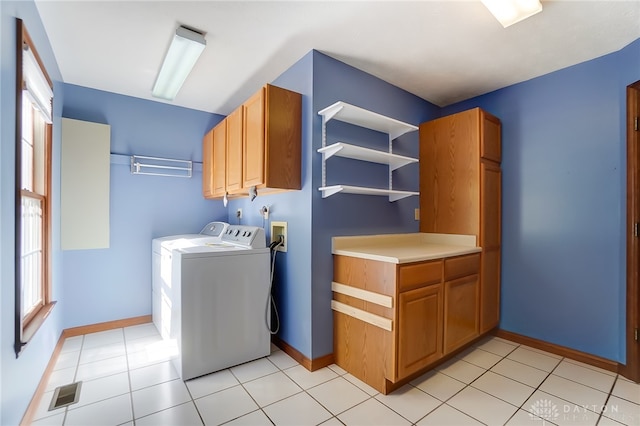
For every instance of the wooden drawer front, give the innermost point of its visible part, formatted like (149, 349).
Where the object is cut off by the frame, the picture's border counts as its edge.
(461, 266)
(419, 274)
(490, 145)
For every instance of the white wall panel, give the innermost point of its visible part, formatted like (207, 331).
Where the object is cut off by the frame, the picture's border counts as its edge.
(84, 185)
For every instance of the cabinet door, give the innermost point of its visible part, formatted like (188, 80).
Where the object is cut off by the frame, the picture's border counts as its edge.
(419, 329)
(449, 174)
(254, 143)
(490, 204)
(490, 148)
(219, 173)
(461, 315)
(490, 236)
(207, 165)
(490, 289)
(234, 151)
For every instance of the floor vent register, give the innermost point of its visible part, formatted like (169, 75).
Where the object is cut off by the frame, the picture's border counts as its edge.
(65, 395)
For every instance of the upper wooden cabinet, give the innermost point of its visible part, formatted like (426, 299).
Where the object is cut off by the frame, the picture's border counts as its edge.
(253, 149)
(460, 192)
(234, 151)
(272, 139)
(263, 144)
(207, 165)
(213, 170)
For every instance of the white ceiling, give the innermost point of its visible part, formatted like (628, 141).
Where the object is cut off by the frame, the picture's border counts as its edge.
(442, 51)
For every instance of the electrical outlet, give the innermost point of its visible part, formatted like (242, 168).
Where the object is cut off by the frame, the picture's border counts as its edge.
(416, 214)
(239, 213)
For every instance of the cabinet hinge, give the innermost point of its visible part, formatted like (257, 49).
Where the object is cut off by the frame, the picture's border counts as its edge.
(635, 124)
(635, 229)
(635, 334)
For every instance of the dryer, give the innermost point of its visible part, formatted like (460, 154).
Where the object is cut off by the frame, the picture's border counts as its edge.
(213, 298)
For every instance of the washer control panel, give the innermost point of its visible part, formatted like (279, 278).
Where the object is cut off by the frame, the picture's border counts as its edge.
(245, 236)
(215, 229)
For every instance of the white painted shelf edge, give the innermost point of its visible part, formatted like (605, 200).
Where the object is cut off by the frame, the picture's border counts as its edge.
(346, 150)
(393, 194)
(343, 111)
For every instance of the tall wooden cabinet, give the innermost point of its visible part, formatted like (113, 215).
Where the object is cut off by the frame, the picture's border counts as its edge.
(261, 148)
(460, 193)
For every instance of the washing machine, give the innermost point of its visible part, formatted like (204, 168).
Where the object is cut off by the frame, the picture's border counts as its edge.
(161, 270)
(212, 302)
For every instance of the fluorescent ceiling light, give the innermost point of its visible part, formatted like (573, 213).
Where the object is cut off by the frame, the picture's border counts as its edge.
(185, 49)
(509, 12)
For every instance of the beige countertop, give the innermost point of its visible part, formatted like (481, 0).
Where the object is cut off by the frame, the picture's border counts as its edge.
(404, 248)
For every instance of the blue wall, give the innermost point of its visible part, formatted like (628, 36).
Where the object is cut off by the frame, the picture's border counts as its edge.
(564, 171)
(348, 214)
(115, 283)
(302, 284)
(563, 203)
(20, 377)
(292, 278)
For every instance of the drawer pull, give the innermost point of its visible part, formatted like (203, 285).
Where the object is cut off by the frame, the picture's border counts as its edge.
(367, 296)
(376, 320)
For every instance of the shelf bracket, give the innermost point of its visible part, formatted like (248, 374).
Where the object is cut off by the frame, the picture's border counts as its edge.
(329, 191)
(396, 197)
(332, 113)
(330, 151)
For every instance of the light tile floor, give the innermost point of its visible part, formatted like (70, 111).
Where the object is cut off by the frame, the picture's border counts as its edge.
(127, 378)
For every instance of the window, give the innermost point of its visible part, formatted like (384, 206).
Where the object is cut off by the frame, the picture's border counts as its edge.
(34, 97)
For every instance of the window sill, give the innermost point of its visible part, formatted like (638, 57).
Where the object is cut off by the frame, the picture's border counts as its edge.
(34, 325)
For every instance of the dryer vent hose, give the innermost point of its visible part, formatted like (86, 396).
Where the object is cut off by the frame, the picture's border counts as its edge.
(270, 301)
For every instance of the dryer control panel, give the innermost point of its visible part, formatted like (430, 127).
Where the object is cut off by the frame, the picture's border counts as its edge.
(245, 236)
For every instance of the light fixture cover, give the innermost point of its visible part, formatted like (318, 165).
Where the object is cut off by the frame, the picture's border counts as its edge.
(509, 12)
(184, 51)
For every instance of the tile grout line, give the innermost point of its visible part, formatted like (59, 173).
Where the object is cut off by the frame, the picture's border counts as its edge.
(606, 401)
(306, 391)
(466, 385)
(126, 354)
(193, 400)
(537, 388)
(319, 384)
(582, 384)
(251, 396)
(480, 390)
(75, 375)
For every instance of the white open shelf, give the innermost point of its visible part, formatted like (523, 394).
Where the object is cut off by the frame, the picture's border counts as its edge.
(371, 120)
(393, 194)
(351, 114)
(341, 149)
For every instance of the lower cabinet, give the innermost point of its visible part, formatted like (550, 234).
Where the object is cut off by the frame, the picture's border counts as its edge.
(393, 322)
(461, 308)
(419, 329)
